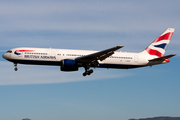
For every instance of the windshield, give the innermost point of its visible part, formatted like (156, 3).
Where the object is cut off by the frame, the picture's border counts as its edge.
(9, 51)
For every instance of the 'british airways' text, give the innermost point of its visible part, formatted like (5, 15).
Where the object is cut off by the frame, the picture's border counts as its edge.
(39, 57)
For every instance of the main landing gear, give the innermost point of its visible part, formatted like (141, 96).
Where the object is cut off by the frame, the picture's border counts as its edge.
(15, 65)
(87, 71)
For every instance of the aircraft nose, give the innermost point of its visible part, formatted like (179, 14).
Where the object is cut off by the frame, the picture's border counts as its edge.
(5, 56)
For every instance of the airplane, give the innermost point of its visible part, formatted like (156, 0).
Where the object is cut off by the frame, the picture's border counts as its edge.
(72, 60)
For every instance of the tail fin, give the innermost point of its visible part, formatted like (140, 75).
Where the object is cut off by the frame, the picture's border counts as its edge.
(158, 47)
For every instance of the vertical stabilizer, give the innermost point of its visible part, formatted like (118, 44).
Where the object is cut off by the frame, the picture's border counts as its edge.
(158, 47)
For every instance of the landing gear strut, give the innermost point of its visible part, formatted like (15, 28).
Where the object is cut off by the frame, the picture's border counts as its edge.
(15, 65)
(87, 71)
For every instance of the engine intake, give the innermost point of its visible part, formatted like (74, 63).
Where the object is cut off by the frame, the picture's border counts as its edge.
(69, 65)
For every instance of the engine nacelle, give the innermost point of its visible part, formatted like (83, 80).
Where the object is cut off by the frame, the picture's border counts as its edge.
(69, 65)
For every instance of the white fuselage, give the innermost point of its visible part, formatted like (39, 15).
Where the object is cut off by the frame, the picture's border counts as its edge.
(44, 56)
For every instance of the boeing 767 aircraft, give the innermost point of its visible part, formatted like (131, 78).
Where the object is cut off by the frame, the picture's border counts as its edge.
(71, 60)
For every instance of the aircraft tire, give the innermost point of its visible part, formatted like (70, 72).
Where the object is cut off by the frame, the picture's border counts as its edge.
(84, 74)
(88, 72)
(91, 71)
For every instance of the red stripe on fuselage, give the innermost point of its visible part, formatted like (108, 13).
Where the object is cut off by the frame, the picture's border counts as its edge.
(24, 50)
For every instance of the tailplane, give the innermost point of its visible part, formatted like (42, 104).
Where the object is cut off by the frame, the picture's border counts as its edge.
(164, 59)
(158, 47)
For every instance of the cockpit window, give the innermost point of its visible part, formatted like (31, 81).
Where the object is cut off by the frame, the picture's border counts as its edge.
(9, 51)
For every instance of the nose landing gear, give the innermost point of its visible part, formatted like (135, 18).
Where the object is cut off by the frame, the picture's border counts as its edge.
(15, 65)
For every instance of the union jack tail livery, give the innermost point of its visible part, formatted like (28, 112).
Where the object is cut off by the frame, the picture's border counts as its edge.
(159, 45)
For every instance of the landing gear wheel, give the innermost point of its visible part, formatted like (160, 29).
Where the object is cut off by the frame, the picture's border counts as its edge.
(88, 72)
(91, 71)
(84, 74)
(15, 65)
(15, 69)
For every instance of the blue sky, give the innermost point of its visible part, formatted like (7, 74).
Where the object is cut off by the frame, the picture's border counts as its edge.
(43, 92)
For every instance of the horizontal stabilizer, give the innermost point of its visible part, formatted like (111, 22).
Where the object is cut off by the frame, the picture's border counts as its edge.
(162, 58)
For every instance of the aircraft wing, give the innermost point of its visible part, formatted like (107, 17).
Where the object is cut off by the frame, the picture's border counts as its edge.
(102, 55)
(162, 58)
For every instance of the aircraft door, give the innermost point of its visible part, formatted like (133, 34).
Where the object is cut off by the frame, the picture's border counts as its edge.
(136, 58)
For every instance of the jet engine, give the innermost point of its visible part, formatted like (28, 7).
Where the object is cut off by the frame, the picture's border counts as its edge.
(69, 65)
